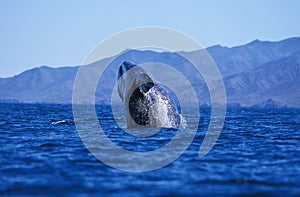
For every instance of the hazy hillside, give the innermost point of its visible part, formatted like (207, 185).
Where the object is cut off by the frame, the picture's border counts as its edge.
(260, 73)
(252, 55)
(42, 84)
(278, 80)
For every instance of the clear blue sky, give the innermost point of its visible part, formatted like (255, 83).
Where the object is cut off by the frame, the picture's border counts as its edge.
(62, 32)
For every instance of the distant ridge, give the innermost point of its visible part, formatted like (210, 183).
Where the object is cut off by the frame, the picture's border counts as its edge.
(259, 73)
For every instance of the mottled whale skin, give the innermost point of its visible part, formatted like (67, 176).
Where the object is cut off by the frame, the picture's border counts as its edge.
(147, 103)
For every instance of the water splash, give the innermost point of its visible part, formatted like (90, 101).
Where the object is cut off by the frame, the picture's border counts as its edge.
(162, 110)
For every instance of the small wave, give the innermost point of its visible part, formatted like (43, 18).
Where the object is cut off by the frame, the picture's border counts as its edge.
(46, 145)
(66, 122)
(110, 118)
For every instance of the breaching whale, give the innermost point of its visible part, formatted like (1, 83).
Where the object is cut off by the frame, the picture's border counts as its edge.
(147, 103)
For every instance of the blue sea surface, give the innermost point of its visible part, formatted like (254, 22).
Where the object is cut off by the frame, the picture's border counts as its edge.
(257, 153)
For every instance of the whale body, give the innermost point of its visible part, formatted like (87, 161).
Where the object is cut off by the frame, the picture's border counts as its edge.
(147, 103)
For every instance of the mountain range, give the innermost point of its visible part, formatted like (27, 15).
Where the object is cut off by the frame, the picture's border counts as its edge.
(260, 73)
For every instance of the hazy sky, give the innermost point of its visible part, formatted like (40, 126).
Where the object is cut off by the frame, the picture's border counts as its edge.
(62, 32)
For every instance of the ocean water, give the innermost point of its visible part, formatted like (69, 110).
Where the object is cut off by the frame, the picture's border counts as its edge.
(257, 153)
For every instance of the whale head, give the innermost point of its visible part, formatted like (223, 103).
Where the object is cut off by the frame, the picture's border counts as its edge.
(131, 77)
